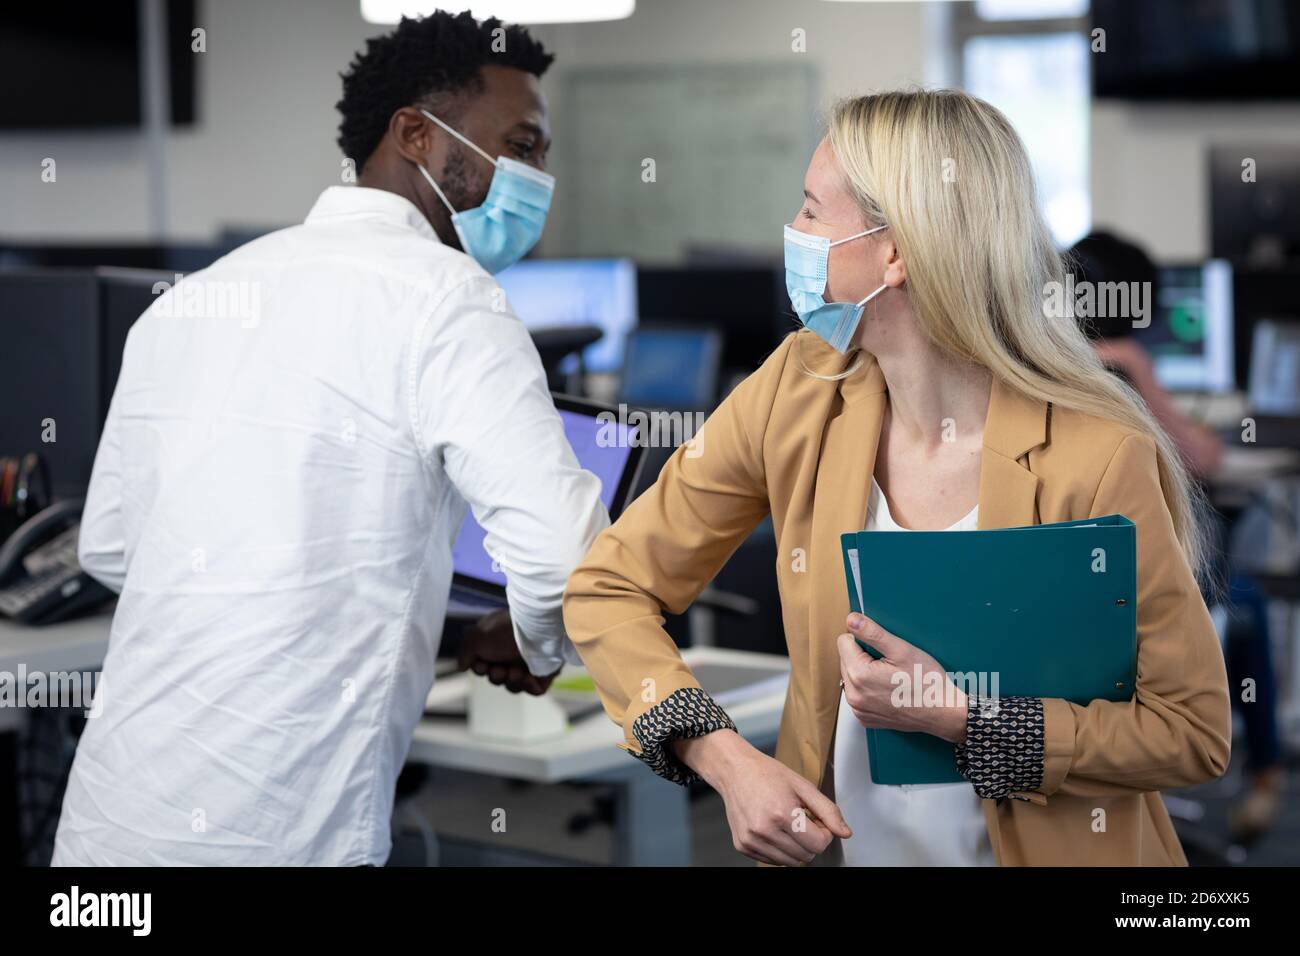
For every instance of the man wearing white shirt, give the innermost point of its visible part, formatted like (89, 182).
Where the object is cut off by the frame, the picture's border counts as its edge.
(294, 438)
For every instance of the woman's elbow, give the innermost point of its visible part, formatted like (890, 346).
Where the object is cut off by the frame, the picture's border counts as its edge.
(1207, 759)
(576, 603)
(1207, 744)
(1217, 742)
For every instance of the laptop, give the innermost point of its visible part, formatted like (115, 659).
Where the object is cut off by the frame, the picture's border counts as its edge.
(478, 587)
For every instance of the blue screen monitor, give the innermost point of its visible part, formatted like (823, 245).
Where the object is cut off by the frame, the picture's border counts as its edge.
(672, 368)
(608, 448)
(546, 293)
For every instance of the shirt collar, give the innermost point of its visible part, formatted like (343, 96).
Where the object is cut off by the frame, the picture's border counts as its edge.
(362, 202)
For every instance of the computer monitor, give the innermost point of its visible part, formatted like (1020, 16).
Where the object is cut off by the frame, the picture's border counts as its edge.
(748, 304)
(1259, 295)
(124, 296)
(63, 332)
(672, 367)
(50, 368)
(546, 293)
(1255, 203)
(615, 462)
(1275, 368)
(1190, 337)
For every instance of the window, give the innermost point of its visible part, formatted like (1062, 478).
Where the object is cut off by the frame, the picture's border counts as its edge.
(1029, 58)
(1030, 9)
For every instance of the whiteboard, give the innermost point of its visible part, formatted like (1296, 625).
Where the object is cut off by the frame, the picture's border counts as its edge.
(730, 145)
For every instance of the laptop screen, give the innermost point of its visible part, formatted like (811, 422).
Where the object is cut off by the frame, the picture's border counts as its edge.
(611, 463)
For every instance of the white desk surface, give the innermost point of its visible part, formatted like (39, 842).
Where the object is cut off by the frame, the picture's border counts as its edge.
(78, 645)
(1247, 467)
(589, 747)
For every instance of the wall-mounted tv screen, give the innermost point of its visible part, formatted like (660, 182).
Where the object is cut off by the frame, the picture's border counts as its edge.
(64, 70)
(1197, 49)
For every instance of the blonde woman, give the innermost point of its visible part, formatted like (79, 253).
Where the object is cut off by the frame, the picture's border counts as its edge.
(930, 390)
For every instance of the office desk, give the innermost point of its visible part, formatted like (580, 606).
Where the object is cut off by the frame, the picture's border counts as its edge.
(1244, 470)
(652, 819)
(1248, 466)
(652, 822)
(1243, 476)
(71, 646)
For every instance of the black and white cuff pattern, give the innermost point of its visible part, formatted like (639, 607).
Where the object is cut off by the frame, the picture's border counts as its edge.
(686, 713)
(1003, 752)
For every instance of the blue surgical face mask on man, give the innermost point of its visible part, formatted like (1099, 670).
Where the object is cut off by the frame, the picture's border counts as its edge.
(501, 231)
(805, 279)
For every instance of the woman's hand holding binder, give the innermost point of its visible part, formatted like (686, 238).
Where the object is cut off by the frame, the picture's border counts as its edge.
(904, 689)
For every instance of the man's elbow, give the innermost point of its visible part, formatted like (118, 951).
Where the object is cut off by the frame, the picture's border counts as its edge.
(109, 569)
(570, 545)
(573, 555)
(543, 579)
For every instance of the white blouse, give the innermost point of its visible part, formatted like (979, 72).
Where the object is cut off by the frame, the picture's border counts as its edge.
(924, 825)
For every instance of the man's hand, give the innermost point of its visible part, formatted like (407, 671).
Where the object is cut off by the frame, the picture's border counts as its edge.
(489, 650)
(776, 816)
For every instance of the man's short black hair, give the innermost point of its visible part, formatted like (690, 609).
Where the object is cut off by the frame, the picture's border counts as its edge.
(419, 62)
(1104, 257)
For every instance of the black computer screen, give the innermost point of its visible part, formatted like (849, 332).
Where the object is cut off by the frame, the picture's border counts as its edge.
(747, 304)
(49, 368)
(65, 69)
(63, 333)
(1203, 50)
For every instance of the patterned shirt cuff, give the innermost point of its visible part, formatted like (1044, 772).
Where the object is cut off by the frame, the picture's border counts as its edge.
(686, 713)
(1003, 753)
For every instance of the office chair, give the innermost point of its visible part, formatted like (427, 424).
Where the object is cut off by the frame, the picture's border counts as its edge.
(554, 345)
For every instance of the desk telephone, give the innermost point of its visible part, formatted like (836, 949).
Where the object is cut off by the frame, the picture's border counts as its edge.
(41, 581)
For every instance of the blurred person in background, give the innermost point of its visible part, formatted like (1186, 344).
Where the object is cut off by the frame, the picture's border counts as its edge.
(1103, 257)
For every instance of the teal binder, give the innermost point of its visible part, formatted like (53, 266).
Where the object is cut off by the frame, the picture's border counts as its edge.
(1043, 611)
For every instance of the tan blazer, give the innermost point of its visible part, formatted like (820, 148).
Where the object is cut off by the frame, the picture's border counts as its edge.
(804, 449)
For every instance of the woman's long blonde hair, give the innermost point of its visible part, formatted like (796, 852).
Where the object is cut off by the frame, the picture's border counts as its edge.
(950, 175)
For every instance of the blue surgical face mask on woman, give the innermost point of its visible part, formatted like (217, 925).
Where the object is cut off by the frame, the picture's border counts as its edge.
(501, 231)
(805, 279)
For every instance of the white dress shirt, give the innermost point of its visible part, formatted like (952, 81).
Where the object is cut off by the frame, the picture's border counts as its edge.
(287, 460)
(924, 825)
